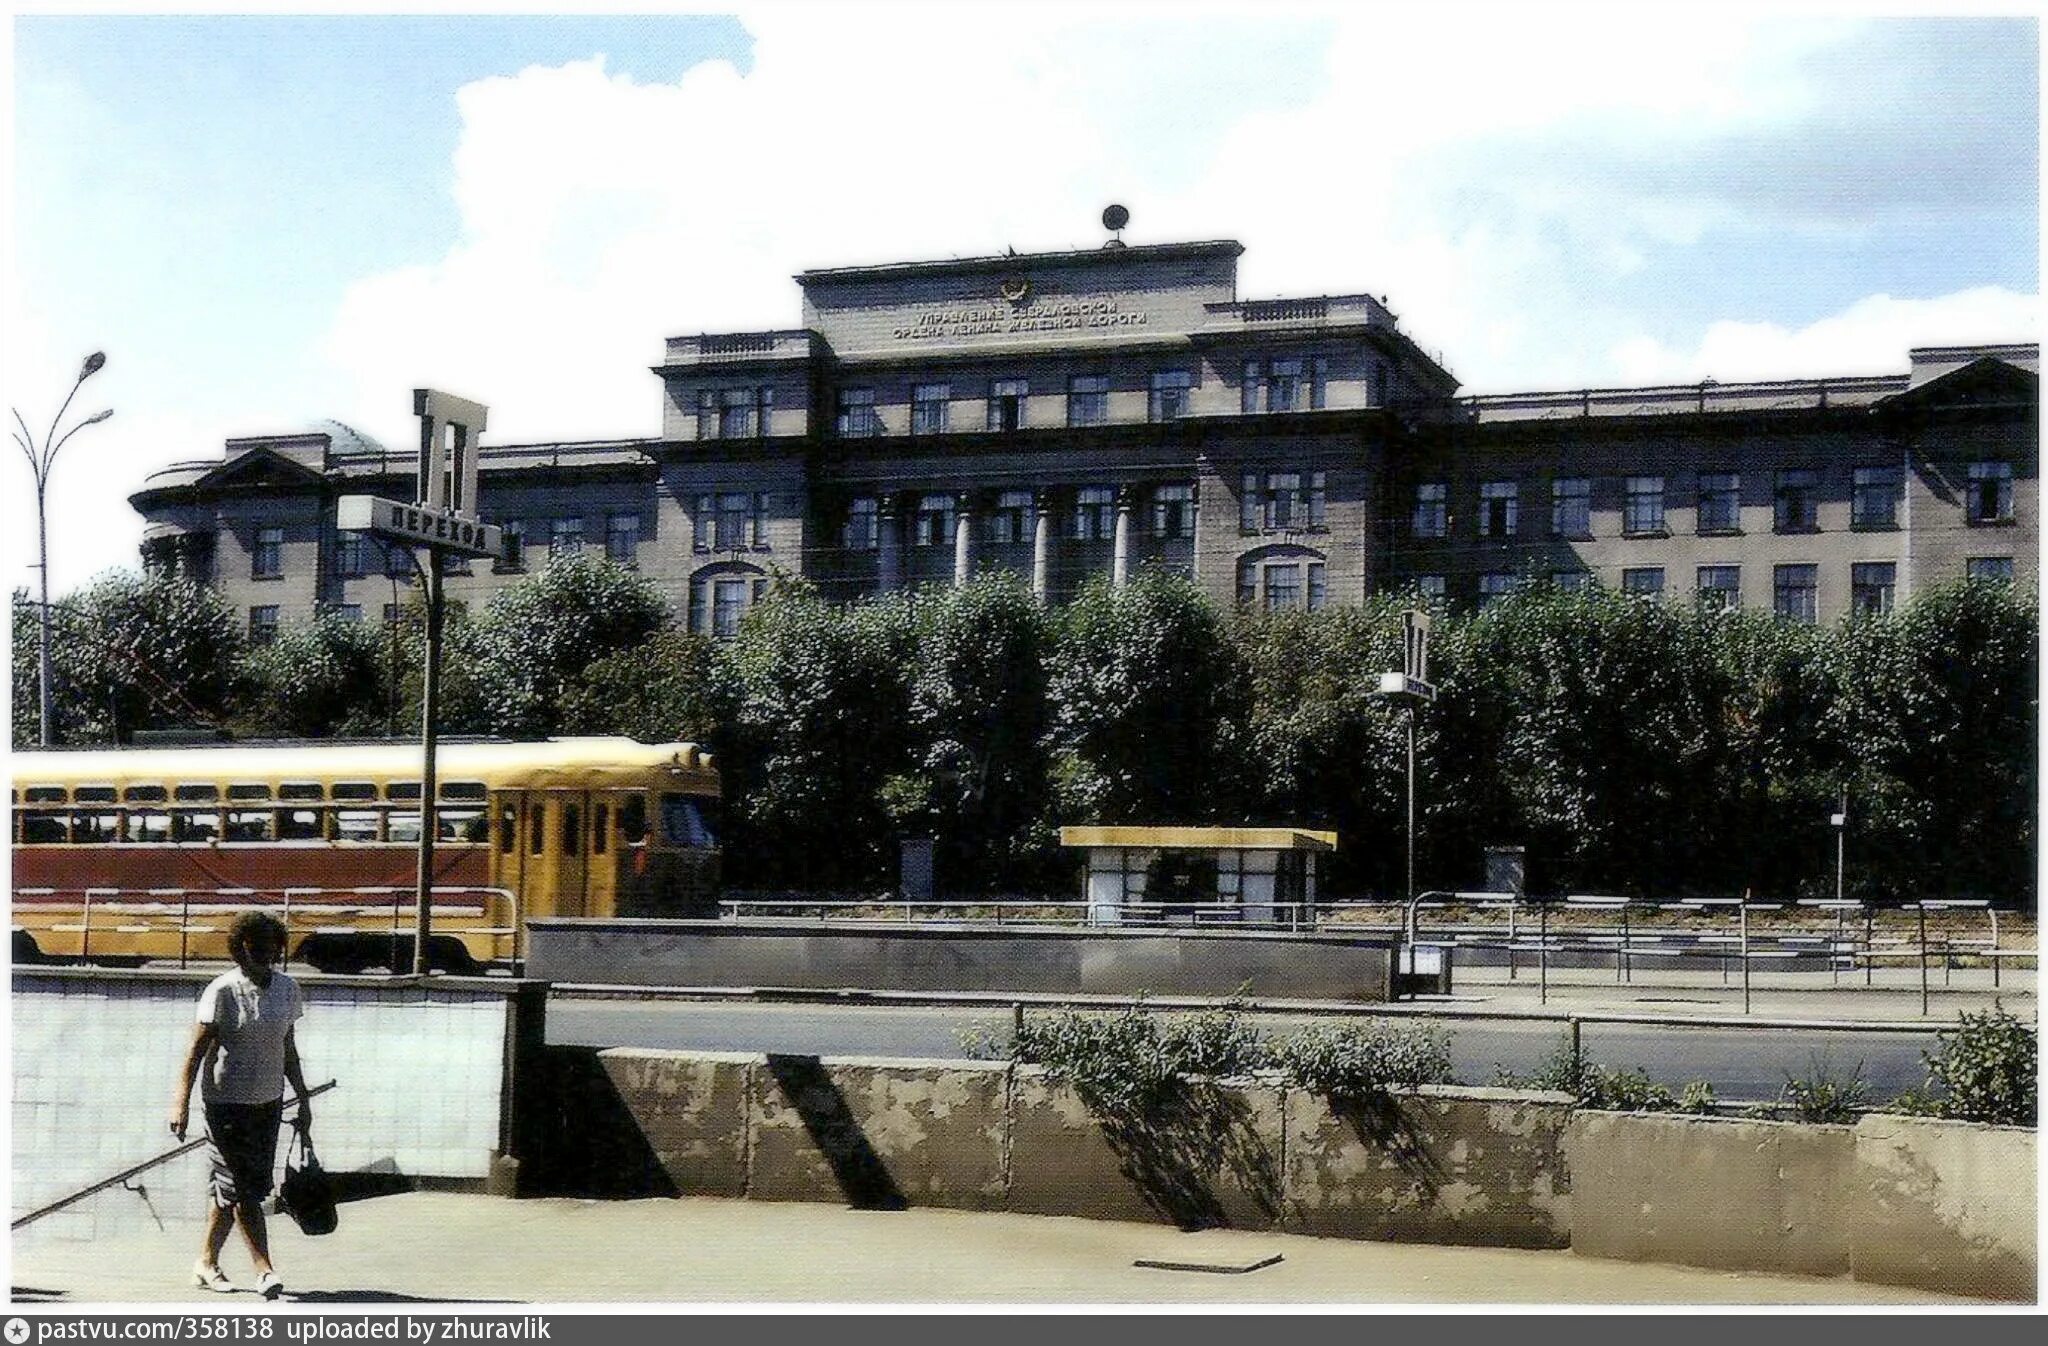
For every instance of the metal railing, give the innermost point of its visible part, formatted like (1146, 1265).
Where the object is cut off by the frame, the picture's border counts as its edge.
(1029, 912)
(136, 1170)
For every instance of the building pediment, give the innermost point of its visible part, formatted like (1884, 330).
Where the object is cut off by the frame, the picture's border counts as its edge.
(260, 466)
(1985, 382)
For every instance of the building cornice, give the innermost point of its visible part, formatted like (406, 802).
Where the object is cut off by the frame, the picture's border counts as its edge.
(1024, 260)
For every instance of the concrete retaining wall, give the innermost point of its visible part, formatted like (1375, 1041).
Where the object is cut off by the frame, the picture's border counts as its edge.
(882, 956)
(1461, 1165)
(423, 1071)
(1945, 1206)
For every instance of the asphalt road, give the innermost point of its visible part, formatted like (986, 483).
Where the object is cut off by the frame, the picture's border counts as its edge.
(1742, 1064)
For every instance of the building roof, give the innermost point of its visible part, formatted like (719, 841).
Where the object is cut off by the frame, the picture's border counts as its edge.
(1011, 261)
(1201, 838)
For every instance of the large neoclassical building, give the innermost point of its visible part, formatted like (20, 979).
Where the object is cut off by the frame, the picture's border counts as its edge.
(1070, 414)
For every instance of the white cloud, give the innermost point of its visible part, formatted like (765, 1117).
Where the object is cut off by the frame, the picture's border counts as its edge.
(1872, 336)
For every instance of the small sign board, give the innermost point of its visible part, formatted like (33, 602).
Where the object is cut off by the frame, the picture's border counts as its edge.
(1400, 684)
(420, 525)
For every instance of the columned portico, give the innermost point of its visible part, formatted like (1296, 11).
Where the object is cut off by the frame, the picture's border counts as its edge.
(963, 538)
(889, 562)
(1120, 565)
(1041, 546)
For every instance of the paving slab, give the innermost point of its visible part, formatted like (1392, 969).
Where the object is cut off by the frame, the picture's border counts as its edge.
(439, 1248)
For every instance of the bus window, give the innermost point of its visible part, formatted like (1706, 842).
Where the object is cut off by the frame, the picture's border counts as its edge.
(149, 825)
(459, 824)
(355, 791)
(248, 794)
(600, 828)
(355, 825)
(407, 790)
(683, 822)
(460, 789)
(248, 825)
(572, 829)
(404, 827)
(299, 825)
(145, 794)
(92, 828)
(42, 829)
(198, 794)
(43, 794)
(537, 828)
(633, 819)
(194, 825)
(508, 829)
(302, 789)
(94, 794)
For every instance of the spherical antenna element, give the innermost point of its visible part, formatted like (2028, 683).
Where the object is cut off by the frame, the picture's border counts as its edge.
(1115, 218)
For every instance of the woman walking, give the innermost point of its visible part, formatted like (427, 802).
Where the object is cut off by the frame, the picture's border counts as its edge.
(243, 1050)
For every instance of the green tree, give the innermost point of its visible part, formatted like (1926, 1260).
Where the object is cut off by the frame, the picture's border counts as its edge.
(1935, 710)
(314, 681)
(821, 702)
(977, 715)
(665, 690)
(1149, 704)
(524, 653)
(131, 652)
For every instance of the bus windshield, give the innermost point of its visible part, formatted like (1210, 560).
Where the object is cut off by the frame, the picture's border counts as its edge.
(684, 823)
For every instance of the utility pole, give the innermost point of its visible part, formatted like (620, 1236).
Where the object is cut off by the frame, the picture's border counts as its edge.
(39, 463)
(1412, 687)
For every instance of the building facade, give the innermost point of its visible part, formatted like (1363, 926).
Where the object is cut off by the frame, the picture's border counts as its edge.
(1074, 414)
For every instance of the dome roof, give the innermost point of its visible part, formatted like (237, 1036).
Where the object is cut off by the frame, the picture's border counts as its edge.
(346, 439)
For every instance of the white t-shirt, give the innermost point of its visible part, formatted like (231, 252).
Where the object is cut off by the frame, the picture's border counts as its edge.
(252, 1022)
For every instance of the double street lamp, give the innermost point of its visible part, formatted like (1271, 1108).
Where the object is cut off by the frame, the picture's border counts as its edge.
(39, 462)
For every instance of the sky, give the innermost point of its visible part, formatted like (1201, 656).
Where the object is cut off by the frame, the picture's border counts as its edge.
(266, 221)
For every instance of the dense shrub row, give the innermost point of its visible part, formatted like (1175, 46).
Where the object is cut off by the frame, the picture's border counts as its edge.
(1631, 746)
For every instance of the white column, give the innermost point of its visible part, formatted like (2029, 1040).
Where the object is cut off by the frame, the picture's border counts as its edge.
(1041, 546)
(963, 538)
(1120, 567)
(889, 564)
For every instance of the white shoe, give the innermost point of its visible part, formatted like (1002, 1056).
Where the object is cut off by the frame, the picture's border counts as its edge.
(211, 1278)
(269, 1285)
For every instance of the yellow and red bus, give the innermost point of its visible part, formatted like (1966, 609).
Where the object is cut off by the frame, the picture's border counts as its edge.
(130, 855)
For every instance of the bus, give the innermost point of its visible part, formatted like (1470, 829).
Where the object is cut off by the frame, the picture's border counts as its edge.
(125, 856)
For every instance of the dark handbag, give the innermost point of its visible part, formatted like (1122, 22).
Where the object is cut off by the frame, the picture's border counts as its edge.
(308, 1193)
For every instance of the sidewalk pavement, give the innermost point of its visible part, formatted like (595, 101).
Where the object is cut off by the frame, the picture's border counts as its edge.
(438, 1248)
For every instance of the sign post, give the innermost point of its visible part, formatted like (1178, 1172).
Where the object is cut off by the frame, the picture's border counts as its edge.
(1412, 687)
(443, 521)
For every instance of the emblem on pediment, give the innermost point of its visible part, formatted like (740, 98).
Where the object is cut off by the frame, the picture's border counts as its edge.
(1016, 289)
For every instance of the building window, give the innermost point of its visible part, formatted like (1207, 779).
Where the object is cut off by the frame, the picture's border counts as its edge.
(266, 559)
(1291, 383)
(1171, 391)
(1570, 581)
(262, 625)
(1173, 512)
(1720, 587)
(1282, 492)
(1874, 497)
(1642, 506)
(1283, 586)
(1499, 505)
(397, 561)
(1870, 587)
(1720, 508)
(351, 555)
(1006, 404)
(1008, 521)
(934, 521)
(1296, 582)
(1430, 588)
(728, 602)
(454, 563)
(1494, 586)
(929, 403)
(352, 613)
(622, 538)
(1643, 581)
(1432, 510)
(565, 537)
(1088, 399)
(1571, 507)
(857, 418)
(1095, 513)
(1990, 498)
(1248, 391)
(1282, 501)
(513, 557)
(861, 531)
(1990, 569)
(1797, 592)
(1318, 587)
(1284, 390)
(1796, 510)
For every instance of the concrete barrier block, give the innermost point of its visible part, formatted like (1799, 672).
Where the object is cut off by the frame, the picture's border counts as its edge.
(879, 1134)
(1711, 1191)
(691, 1108)
(1946, 1206)
(1438, 1165)
(1210, 1158)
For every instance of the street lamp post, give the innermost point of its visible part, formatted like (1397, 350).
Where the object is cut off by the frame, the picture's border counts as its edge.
(39, 462)
(1411, 686)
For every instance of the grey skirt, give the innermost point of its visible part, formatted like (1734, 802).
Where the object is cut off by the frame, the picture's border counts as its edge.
(242, 1149)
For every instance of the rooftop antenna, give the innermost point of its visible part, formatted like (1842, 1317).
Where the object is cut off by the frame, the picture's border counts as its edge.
(1114, 219)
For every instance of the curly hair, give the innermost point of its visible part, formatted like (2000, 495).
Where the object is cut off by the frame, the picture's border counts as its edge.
(248, 927)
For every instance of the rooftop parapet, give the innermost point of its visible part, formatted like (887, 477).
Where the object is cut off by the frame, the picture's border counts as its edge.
(725, 348)
(1682, 399)
(1337, 310)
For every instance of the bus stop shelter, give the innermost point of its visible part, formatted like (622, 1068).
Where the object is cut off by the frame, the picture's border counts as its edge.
(1200, 875)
